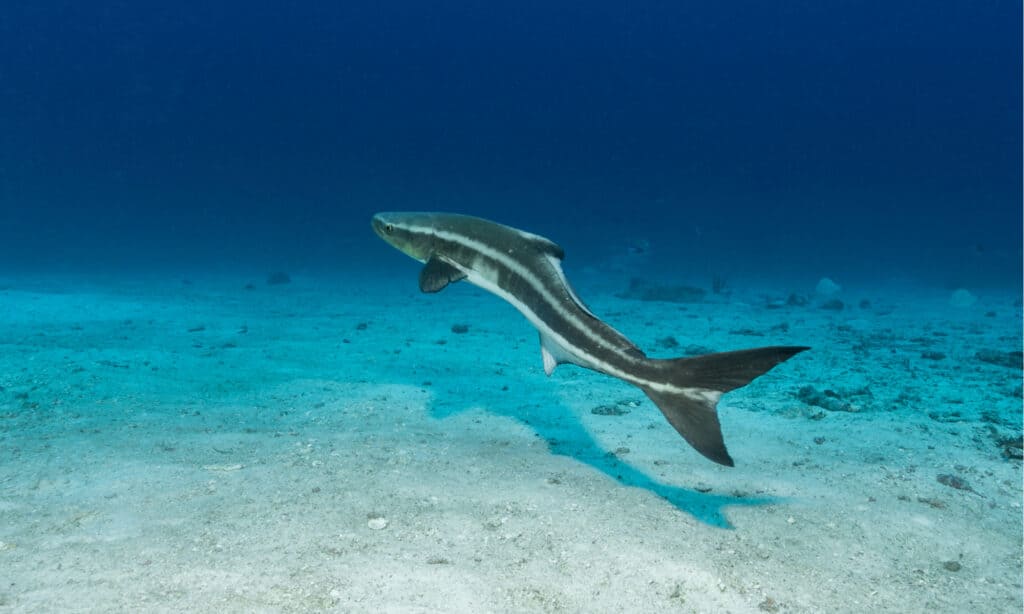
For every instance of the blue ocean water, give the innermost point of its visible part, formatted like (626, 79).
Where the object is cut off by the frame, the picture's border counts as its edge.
(844, 138)
(220, 391)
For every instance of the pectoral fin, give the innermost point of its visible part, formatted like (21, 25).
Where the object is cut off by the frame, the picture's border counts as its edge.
(437, 274)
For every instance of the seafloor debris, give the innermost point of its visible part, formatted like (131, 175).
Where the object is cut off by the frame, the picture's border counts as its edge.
(668, 343)
(827, 287)
(932, 502)
(1011, 360)
(962, 298)
(697, 350)
(609, 410)
(278, 278)
(797, 300)
(644, 290)
(947, 416)
(954, 481)
(830, 399)
(620, 408)
(224, 468)
(1010, 446)
(376, 521)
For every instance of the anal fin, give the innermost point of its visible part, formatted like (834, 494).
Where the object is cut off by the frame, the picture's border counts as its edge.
(553, 354)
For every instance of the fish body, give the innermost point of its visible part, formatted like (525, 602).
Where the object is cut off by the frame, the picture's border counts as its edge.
(525, 270)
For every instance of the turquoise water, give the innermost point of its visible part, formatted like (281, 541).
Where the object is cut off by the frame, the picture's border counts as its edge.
(219, 391)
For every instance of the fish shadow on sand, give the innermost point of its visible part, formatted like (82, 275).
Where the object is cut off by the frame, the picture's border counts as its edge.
(567, 437)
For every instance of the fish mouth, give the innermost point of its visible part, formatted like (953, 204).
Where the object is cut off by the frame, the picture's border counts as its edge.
(378, 225)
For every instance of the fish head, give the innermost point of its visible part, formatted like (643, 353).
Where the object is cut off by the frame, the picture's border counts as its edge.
(408, 232)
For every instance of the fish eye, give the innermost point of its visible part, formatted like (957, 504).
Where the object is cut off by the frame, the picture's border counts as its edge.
(389, 228)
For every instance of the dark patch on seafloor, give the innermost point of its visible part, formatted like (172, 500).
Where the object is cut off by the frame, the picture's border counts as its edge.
(278, 278)
(1010, 360)
(643, 290)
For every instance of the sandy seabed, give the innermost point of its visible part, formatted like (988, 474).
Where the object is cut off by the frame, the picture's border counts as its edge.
(332, 444)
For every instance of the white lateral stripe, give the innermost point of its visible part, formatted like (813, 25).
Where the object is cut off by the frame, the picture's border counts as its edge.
(578, 354)
(531, 278)
(582, 356)
(585, 359)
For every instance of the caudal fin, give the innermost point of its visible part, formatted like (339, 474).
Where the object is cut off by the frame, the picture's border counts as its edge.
(702, 380)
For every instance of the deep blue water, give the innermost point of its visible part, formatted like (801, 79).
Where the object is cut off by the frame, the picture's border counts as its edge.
(855, 139)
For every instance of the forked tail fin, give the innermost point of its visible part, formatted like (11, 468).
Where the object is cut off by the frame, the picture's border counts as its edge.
(703, 379)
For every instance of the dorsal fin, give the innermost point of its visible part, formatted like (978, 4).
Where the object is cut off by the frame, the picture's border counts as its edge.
(556, 264)
(544, 245)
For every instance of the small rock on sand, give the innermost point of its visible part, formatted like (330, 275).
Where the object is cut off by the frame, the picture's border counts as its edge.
(827, 287)
(1010, 360)
(962, 298)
